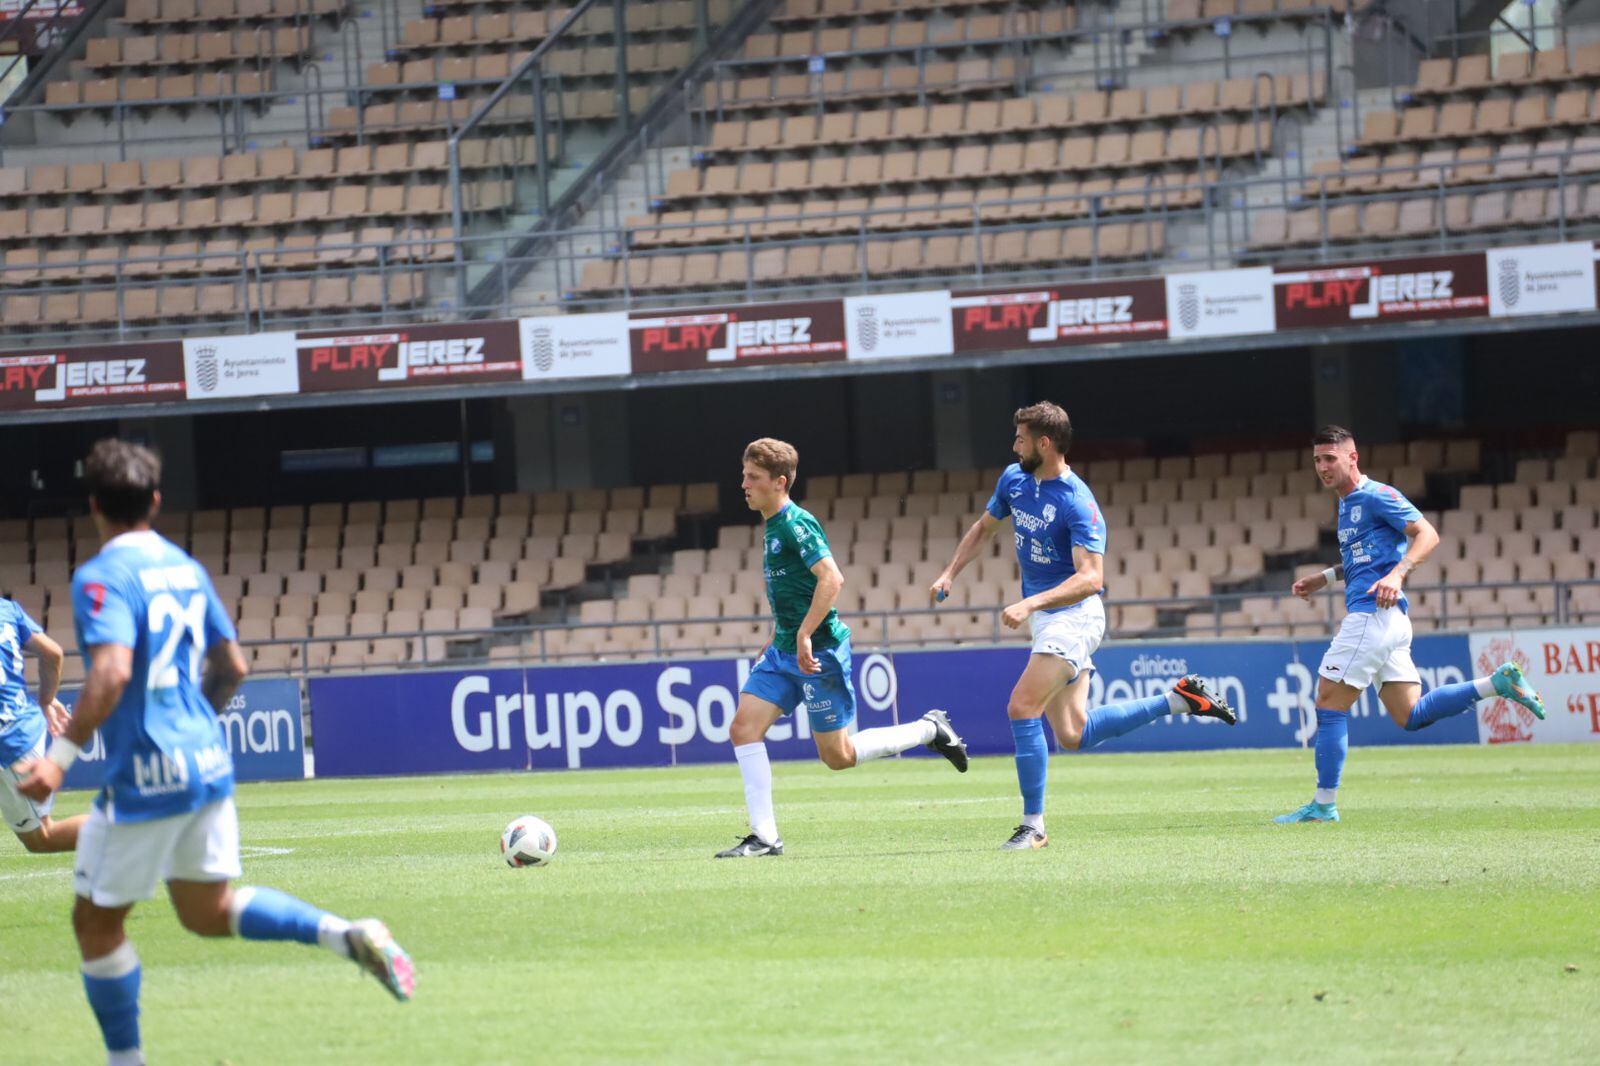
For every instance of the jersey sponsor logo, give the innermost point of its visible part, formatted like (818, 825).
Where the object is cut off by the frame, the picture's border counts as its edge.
(1034, 523)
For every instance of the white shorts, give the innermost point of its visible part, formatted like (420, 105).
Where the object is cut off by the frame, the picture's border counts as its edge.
(122, 862)
(1371, 649)
(1072, 634)
(22, 815)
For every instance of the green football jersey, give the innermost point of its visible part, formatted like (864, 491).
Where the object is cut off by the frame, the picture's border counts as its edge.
(793, 543)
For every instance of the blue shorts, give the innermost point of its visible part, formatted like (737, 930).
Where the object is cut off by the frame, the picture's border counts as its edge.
(830, 697)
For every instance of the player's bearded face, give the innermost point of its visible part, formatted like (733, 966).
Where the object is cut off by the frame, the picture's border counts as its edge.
(1028, 456)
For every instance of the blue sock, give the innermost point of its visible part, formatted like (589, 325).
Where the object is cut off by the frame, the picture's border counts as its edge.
(1115, 719)
(1333, 740)
(1446, 701)
(267, 914)
(1033, 761)
(111, 984)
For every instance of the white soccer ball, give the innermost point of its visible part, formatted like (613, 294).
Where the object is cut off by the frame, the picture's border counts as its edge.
(528, 841)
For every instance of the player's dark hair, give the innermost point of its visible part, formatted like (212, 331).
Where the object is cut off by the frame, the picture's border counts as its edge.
(1331, 434)
(122, 478)
(1045, 419)
(778, 458)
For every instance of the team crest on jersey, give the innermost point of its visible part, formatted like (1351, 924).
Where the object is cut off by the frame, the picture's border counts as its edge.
(774, 546)
(1049, 513)
(1355, 513)
(97, 596)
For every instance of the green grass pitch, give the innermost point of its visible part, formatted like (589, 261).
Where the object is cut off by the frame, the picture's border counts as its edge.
(1453, 916)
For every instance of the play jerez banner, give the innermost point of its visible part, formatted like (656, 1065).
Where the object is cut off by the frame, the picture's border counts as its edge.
(1499, 283)
(661, 714)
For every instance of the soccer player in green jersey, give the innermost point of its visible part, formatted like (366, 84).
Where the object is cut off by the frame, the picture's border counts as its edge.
(808, 659)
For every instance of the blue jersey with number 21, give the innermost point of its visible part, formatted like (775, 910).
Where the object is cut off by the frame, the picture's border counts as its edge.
(165, 752)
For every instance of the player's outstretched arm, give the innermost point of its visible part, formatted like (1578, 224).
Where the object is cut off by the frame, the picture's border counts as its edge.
(50, 659)
(971, 543)
(225, 672)
(110, 670)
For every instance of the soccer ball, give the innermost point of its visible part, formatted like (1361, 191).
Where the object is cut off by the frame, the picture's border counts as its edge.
(528, 841)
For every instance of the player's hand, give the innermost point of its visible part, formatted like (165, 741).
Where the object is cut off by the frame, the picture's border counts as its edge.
(802, 654)
(940, 589)
(44, 777)
(1386, 590)
(57, 716)
(1013, 617)
(1306, 586)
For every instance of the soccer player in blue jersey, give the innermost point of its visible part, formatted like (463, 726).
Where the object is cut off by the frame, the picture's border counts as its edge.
(23, 725)
(1061, 544)
(808, 659)
(162, 655)
(1373, 645)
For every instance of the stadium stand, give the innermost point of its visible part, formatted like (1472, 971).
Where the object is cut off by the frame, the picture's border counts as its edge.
(411, 582)
(932, 129)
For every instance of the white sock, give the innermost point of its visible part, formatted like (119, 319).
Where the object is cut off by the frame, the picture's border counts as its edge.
(126, 1057)
(756, 770)
(119, 963)
(1176, 703)
(1034, 821)
(891, 739)
(1325, 795)
(1485, 687)
(330, 935)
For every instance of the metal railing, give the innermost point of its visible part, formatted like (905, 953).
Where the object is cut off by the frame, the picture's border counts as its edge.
(1438, 609)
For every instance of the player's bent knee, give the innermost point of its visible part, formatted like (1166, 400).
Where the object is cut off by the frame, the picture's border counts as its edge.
(740, 733)
(1018, 709)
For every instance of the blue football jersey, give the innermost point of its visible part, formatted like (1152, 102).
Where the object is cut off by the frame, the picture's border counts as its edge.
(1372, 540)
(165, 752)
(21, 721)
(1048, 518)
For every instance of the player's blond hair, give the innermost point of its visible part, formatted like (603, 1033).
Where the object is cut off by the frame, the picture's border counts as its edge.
(778, 458)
